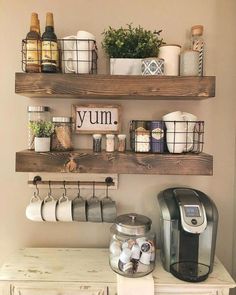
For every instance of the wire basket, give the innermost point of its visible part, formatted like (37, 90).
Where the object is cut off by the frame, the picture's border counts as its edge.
(155, 137)
(71, 55)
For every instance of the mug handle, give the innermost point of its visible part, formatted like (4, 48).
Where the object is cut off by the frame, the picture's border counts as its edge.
(48, 197)
(70, 59)
(35, 198)
(63, 197)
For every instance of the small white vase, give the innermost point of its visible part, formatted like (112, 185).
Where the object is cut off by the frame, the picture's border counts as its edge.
(125, 66)
(42, 144)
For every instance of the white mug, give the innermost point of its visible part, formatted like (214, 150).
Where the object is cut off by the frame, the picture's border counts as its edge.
(81, 57)
(49, 209)
(64, 209)
(189, 128)
(34, 209)
(173, 121)
(67, 47)
(176, 141)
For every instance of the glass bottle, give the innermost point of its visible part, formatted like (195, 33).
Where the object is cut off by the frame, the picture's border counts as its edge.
(49, 47)
(33, 46)
(198, 44)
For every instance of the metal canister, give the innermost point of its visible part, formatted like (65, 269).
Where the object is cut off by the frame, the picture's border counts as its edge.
(157, 129)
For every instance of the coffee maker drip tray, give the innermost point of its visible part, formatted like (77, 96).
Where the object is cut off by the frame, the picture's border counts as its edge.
(190, 271)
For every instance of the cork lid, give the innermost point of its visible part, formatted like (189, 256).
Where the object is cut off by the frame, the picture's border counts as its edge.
(49, 19)
(197, 30)
(34, 21)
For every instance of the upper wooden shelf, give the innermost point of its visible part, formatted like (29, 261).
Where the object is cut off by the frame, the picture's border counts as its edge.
(115, 87)
(86, 161)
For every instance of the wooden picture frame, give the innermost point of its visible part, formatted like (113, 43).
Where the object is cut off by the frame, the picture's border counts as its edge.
(96, 118)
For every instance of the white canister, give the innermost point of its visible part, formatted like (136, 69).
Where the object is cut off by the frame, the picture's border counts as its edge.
(189, 60)
(170, 53)
(110, 143)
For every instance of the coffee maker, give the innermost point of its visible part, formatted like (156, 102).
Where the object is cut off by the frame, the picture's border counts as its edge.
(188, 231)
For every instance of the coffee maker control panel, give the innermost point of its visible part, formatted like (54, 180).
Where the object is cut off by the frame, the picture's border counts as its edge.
(192, 211)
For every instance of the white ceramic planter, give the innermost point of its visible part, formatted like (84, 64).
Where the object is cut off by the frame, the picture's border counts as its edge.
(125, 66)
(42, 144)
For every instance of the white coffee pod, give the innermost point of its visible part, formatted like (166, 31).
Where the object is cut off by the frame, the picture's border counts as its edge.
(135, 252)
(114, 261)
(125, 255)
(140, 241)
(153, 256)
(145, 258)
(115, 248)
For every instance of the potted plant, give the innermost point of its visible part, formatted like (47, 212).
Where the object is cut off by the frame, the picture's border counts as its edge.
(42, 131)
(126, 47)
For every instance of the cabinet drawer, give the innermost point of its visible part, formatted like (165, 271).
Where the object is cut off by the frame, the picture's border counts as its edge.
(42, 288)
(185, 291)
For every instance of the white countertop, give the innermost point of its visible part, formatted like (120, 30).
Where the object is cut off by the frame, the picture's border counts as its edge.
(86, 265)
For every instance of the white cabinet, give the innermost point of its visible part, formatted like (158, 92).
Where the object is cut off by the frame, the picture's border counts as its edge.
(75, 271)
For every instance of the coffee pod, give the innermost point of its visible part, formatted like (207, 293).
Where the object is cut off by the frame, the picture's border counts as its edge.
(125, 245)
(114, 261)
(135, 252)
(115, 249)
(146, 247)
(143, 268)
(128, 267)
(140, 241)
(125, 255)
(153, 256)
(145, 258)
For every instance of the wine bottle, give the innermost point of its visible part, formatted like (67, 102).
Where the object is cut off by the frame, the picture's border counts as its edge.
(49, 47)
(33, 46)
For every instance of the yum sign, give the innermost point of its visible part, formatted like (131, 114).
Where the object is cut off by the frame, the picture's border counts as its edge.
(96, 118)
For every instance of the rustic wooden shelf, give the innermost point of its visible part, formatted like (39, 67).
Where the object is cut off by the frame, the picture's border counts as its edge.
(114, 87)
(85, 161)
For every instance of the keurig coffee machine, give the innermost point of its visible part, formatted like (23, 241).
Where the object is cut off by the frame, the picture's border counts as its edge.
(189, 221)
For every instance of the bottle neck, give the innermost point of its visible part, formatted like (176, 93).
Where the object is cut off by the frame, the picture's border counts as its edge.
(49, 29)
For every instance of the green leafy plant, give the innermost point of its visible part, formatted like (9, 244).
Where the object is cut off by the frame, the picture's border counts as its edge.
(42, 128)
(131, 42)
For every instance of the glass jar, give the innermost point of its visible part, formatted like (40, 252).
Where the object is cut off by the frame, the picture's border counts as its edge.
(110, 143)
(132, 246)
(62, 136)
(36, 113)
(121, 142)
(97, 143)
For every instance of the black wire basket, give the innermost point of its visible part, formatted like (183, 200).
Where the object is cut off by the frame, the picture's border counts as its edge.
(155, 137)
(71, 55)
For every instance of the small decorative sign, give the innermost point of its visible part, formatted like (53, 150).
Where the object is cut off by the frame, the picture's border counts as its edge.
(96, 118)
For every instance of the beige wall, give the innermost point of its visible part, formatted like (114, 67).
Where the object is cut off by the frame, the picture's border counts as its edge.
(136, 193)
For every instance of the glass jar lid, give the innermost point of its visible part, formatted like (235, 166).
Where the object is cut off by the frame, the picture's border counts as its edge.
(133, 224)
(37, 109)
(61, 119)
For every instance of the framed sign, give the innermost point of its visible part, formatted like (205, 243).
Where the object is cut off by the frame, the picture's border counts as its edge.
(96, 118)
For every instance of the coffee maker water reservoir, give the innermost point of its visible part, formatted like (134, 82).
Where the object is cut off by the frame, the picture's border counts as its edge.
(189, 221)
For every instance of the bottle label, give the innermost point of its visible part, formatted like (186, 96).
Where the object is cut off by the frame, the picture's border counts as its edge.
(157, 133)
(33, 52)
(49, 53)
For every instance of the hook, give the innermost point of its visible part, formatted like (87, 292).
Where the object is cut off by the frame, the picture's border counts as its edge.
(109, 181)
(78, 188)
(64, 185)
(93, 188)
(107, 190)
(50, 189)
(37, 189)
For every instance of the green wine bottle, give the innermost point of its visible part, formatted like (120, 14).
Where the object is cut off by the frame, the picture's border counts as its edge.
(49, 47)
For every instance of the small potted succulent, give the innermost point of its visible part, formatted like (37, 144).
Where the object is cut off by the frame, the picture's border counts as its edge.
(42, 131)
(127, 46)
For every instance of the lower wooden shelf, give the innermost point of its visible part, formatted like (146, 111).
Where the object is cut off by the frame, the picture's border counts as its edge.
(86, 161)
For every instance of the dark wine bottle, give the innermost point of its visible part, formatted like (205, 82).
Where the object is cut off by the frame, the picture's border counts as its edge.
(33, 46)
(49, 47)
